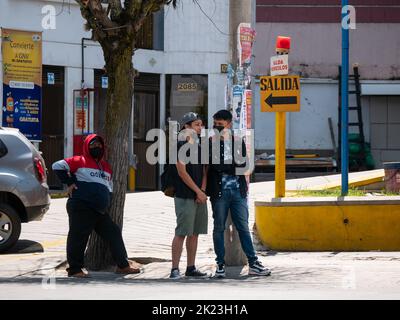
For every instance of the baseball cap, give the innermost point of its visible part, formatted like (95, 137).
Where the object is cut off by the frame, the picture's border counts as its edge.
(189, 117)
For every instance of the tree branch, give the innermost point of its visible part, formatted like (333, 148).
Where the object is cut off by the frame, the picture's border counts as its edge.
(131, 7)
(116, 9)
(120, 30)
(136, 8)
(93, 8)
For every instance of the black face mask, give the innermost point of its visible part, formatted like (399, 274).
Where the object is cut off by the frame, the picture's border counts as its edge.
(219, 128)
(96, 153)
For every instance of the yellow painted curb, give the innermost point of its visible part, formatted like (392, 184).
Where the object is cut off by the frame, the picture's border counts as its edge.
(369, 178)
(329, 224)
(54, 243)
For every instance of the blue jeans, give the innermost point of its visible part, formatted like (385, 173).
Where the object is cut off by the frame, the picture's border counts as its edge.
(232, 199)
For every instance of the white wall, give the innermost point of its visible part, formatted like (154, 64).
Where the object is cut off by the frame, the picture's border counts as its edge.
(188, 30)
(192, 45)
(216, 96)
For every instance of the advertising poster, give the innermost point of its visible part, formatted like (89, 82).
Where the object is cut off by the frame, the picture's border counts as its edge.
(248, 98)
(237, 102)
(243, 115)
(81, 113)
(22, 82)
(249, 101)
(246, 38)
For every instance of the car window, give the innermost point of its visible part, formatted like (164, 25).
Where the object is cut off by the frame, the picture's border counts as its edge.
(3, 149)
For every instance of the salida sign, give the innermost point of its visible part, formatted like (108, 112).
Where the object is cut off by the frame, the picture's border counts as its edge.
(280, 94)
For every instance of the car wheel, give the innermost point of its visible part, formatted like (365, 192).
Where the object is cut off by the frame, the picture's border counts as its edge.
(10, 227)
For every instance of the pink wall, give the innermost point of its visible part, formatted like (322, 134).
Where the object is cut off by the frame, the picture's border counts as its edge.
(316, 48)
(368, 11)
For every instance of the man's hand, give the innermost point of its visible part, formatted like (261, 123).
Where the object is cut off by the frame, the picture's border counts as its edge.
(71, 189)
(201, 197)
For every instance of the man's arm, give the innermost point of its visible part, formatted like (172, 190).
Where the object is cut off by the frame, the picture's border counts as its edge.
(241, 154)
(63, 171)
(244, 163)
(204, 181)
(181, 167)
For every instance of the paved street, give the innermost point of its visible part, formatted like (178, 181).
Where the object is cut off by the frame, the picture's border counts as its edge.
(37, 263)
(92, 87)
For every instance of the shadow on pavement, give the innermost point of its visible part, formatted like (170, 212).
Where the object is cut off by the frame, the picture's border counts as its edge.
(236, 278)
(148, 260)
(25, 246)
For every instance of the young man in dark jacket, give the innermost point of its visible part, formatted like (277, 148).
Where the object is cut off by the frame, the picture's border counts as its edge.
(228, 192)
(89, 180)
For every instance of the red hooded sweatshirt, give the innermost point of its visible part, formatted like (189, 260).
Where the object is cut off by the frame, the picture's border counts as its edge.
(92, 178)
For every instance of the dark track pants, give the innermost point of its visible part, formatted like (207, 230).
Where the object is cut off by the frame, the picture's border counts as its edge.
(82, 221)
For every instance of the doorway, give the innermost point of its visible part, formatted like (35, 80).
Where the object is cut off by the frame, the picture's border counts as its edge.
(52, 144)
(146, 116)
(100, 102)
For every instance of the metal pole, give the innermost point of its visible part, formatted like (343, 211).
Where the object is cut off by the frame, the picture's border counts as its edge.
(280, 155)
(345, 105)
(83, 60)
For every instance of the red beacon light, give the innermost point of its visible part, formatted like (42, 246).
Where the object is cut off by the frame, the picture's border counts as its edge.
(283, 45)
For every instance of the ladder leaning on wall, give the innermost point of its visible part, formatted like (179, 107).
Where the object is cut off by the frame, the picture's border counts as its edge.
(357, 145)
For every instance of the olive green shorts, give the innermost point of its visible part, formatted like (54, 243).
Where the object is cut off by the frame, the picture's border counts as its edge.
(191, 217)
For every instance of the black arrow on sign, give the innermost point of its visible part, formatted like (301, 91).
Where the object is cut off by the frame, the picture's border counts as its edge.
(271, 101)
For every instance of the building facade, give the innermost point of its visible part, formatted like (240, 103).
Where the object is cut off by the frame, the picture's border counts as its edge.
(315, 29)
(179, 63)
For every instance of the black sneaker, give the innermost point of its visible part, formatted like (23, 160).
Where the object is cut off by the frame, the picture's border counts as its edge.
(196, 274)
(175, 275)
(220, 271)
(258, 269)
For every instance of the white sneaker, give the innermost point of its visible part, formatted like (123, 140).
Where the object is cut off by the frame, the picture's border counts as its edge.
(258, 269)
(220, 271)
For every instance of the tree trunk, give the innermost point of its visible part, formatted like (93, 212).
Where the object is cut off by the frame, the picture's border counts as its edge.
(120, 73)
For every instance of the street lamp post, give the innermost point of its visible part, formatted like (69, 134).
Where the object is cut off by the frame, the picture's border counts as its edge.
(345, 102)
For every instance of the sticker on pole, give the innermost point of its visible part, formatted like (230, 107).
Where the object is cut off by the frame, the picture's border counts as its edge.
(280, 65)
(280, 94)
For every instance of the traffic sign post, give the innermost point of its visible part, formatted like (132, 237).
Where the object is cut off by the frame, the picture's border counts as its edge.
(280, 94)
(280, 155)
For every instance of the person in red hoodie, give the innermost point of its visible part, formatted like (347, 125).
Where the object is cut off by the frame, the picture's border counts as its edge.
(89, 181)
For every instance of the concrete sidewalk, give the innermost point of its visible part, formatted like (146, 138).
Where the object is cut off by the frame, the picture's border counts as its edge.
(148, 230)
(149, 222)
